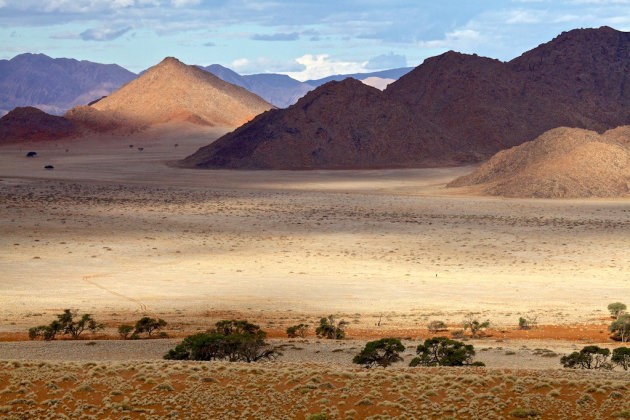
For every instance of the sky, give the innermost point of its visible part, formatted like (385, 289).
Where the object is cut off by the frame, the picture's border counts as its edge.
(305, 39)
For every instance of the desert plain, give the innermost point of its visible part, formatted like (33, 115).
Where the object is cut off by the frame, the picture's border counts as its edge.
(119, 230)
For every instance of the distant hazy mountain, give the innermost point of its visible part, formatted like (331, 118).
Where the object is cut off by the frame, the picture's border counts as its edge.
(277, 89)
(283, 91)
(383, 74)
(56, 84)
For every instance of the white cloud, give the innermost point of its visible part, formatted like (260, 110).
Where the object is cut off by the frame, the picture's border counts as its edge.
(266, 65)
(459, 40)
(318, 66)
(185, 3)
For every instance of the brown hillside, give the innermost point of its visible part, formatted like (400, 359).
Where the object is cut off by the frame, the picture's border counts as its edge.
(561, 163)
(452, 108)
(343, 124)
(31, 124)
(173, 91)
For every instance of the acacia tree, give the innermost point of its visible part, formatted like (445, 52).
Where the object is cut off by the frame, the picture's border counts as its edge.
(616, 309)
(232, 340)
(590, 357)
(442, 351)
(66, 324)
(149, 325)
(331, 328)
(621, 328)
(381, 352)
(621, 357)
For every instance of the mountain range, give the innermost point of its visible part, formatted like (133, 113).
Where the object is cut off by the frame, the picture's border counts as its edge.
(55, 85)
(452, 109)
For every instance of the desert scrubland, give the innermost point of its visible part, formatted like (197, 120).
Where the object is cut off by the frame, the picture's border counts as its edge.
(121, 232)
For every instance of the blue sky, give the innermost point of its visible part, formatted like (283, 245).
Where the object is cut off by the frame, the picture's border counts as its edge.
(305, 39)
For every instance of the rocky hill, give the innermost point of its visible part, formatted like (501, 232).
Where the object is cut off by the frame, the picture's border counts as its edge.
(561, 163)
(55, 85)
(453, 108)
(32, 124)
(174, 91)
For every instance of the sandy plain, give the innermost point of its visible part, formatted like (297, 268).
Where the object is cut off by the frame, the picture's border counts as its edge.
(113, 230)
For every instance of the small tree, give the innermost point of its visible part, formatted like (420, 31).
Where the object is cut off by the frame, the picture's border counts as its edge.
(475, 325)
(297, 331)
(621, 328)
(621, 357)
(381, 352)
(590, 357)
(149, 325)
(616, 309)
(125, 331)
(442, 351)
(66, 324)
(330, 328)
(435, 327)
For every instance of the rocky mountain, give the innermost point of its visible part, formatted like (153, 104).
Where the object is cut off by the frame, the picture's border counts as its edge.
(453, 108)
(561, 163)
(173, 91)
(56, 84)
(32, 124)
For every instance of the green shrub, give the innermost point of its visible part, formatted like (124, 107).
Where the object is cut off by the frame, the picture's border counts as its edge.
(297, 331)
(442, 351)
(149, 325)
(475, 325)
(124, 331)
(331, 329)
(381, 352)
(522, 413)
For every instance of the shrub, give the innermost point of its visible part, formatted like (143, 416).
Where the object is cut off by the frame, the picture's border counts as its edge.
(232, 340)
(620, 328)
(436, 327)
(522, 413)
(330, 328)
(442, 351)
(381, 352)
(124, 331)
(149, 325)
(297, 331)
(590, 357)
(31, 154)
(66, 324)
(621, 357)
(527, 322)
(616, 309)
(475, 325)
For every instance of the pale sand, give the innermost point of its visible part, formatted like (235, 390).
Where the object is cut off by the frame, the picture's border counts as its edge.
(115, 230)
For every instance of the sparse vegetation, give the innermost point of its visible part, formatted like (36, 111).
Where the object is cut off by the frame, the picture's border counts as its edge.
(66, 323)
(441, 351)
(590, 357)
(331, 328)
(232, 340)
(436, 326)
(381, 352)
(474, 325)
(616, 309)
(297, 331)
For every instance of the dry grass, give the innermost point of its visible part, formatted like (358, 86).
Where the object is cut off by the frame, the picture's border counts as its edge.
(153, 390)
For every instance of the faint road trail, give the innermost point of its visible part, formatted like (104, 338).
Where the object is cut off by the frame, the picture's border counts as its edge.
(86, 279)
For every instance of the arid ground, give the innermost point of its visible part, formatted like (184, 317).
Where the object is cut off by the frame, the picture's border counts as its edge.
(120, 232)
